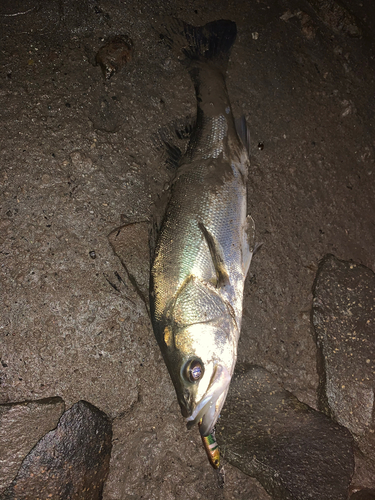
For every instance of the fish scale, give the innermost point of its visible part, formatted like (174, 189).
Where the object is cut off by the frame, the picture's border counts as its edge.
(182, 248)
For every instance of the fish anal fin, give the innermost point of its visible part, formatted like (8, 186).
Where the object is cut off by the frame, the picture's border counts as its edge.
(222, 276)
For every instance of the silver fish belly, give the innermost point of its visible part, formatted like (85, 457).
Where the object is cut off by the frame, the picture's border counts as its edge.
(204, 246)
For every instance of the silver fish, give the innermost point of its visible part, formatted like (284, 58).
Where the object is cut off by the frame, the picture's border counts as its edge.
(205, 243)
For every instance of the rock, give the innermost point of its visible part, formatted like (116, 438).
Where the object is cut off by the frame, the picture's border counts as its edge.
(130, 244)
(114, 55)
(363, 495)
(295, 452)
(70, 462)
(81, 163)
(344, 319)
(106, 114)
(336, 17)
(22, 425)
(364, 472)
(308, 26)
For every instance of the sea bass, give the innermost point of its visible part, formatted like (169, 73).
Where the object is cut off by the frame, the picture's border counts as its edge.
(205, 244)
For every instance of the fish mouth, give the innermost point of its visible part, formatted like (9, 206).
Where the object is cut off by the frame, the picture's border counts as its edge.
(208, 409)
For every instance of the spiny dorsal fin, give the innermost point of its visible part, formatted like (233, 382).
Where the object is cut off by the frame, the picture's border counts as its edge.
(222, 276)
(171, 139)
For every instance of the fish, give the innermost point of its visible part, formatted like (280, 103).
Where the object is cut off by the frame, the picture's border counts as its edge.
(205, 242)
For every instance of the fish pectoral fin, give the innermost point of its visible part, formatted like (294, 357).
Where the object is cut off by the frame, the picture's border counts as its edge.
(217, 256)
(248, 243)
(196, 303)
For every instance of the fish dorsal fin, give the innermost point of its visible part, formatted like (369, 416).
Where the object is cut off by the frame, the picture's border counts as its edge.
(170, 141)
(222, 276)
(243, 132)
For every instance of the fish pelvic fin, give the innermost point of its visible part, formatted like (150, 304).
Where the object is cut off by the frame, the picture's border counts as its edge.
(243, 132)
(222, 276)
(248, 244)
(211, 42)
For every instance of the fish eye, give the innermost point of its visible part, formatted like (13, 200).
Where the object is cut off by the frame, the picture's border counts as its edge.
(194, 370)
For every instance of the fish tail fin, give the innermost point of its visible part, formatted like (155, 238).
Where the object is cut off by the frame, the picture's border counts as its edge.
(211, 42)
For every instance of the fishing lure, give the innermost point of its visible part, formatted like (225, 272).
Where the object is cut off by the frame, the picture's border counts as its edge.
(212, 450)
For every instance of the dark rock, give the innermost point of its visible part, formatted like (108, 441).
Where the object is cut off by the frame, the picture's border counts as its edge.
(363, 495)
(344, 318)
(295, 452)
(70, 462)
(22, 425)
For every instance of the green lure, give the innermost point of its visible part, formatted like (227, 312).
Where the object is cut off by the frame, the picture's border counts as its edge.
(212, 450)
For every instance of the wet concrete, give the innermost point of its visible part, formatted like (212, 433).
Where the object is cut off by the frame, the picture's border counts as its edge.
(77, 154)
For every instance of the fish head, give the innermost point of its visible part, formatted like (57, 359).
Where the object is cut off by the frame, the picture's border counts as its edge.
(201, 361)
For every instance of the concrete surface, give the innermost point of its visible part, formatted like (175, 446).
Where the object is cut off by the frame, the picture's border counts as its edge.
(77, 154)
